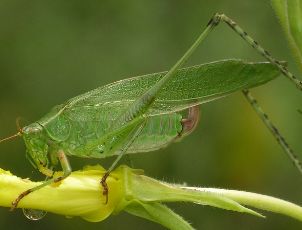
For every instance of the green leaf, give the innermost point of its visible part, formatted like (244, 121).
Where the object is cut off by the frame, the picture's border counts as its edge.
(190, 86)
(289, 13)
(158, 213)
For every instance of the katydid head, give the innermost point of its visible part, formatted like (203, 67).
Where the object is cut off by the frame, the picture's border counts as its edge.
(37, 147)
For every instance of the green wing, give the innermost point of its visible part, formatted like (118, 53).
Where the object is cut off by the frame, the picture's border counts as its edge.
(89, 115)
(190, 86)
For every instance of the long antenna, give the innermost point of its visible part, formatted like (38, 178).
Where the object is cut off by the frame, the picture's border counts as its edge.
(11, 137)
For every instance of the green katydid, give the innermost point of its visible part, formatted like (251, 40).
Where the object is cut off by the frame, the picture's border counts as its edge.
(144, 113)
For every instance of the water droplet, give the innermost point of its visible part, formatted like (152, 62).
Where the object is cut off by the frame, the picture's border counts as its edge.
(34, 214)
(101, 148)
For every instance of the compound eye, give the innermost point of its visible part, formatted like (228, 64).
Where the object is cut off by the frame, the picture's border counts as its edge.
(25, 130)
(33, 128)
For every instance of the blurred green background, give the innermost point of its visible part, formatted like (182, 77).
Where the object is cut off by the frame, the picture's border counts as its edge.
(53, 50)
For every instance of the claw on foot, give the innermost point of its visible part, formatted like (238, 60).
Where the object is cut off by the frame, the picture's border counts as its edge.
(105, 186)
(20, 197)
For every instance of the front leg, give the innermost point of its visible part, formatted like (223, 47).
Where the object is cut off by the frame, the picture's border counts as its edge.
(66, 172)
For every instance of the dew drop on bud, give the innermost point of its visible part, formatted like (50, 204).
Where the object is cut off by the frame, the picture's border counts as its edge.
(34, 214)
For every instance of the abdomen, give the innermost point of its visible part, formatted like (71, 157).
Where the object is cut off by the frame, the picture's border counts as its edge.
(158, 132)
